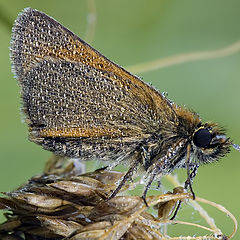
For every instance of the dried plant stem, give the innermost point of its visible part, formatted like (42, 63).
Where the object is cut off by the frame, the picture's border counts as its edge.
(203, 213)
(91, 21)
(187, 223)
(224, 210)
(193, 238)
(210, 221)
(185, 57)
(82, 212)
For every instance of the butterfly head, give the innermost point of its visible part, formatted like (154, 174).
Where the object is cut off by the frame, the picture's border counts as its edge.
(210, 143)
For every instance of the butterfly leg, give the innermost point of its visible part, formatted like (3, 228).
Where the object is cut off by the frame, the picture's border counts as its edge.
(176, 210)
(190, 175)
(126, 177)
(189, 181)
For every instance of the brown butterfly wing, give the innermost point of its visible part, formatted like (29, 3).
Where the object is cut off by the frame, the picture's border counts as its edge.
(75, 99)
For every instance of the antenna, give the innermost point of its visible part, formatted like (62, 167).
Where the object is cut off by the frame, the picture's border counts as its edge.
(237, 147)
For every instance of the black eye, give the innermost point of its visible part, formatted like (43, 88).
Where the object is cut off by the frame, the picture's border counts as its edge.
(202, 138)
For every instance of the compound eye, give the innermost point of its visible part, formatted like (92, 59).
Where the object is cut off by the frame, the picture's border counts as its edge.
(202, 138)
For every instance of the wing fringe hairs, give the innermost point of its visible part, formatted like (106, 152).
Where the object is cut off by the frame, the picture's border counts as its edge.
(61, 204)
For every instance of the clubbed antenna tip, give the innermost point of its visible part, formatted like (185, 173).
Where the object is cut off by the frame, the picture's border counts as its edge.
(237, 147)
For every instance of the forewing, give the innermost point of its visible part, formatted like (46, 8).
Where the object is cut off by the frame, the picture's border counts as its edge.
(70, 90)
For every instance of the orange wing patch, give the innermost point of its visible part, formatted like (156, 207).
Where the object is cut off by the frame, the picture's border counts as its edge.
(80, 132)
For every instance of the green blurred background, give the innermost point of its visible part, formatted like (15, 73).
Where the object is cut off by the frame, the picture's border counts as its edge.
(131, 32)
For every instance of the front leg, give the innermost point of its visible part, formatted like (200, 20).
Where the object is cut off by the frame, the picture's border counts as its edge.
(164, 162)
(190, 177)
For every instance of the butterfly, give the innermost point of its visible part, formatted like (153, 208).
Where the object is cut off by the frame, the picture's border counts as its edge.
(80, 104)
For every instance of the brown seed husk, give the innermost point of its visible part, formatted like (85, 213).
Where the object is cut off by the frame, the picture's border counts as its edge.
(62, 205)
(74, 207)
